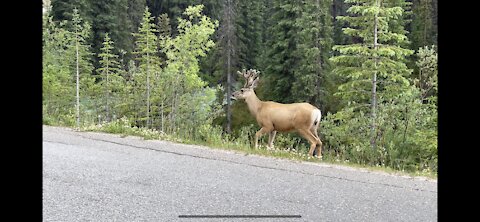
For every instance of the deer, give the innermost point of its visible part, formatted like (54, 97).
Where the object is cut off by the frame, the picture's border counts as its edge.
(274, 117)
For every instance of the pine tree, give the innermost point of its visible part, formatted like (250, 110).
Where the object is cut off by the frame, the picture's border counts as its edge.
(80, 35)
(314, 42)
(63, 10)
(423, 29)
(339, 8)
(134, 14)
(427, 80)
(111, 16)
(374, 67)
(109, 71)
(163, 24)
(146, 51)
(248, 24)
(229, 44)
(172, 8)
(280, 59)
(238, 45)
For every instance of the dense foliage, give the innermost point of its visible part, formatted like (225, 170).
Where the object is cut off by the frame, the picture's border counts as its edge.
(170, 67)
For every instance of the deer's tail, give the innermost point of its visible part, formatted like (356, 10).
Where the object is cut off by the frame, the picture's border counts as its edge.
(316, 115)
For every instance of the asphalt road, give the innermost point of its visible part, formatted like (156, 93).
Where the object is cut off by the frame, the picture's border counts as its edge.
(102, 177)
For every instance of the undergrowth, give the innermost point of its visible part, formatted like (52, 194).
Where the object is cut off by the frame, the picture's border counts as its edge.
(287, 145)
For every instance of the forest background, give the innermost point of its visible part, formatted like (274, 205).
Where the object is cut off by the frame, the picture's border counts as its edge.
(166, 69)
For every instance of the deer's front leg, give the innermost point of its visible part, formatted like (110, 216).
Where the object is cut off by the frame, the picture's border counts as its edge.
(271, 137)
(260, 133)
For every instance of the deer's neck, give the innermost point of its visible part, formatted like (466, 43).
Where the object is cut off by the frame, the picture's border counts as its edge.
(253, 104)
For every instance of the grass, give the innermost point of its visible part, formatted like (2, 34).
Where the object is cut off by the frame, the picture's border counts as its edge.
(242, 145)
(302, 156)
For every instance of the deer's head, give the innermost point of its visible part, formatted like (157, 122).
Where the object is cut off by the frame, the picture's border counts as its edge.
(251, 82)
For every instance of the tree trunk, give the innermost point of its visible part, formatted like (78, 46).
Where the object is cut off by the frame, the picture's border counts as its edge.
(229, 83)
(175, 101)
(374, 84)
(78, 83)
(318, 70)
(108, 95)
(229, 52)
(162, 116)
(175, 106)
(148, 88)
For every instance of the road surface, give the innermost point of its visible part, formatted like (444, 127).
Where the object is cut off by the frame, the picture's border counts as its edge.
(90, 176)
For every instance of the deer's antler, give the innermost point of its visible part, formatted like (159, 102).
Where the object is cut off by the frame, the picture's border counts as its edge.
(251, 77)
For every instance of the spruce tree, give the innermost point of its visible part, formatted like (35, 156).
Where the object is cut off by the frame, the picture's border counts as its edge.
(111, 16)
(80, 49)
(146, 50)
(314, 42)
(229, 44)
(375, 67)
(109, 71)
(135, 10)
(248, 24)
(339, 8)
(423, 29)
(427, 80)
(280, 58)
(62, 10)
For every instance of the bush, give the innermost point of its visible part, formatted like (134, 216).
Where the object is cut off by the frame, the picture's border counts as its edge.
(119, 126)
(406, 136)
(61, 119)
(210, 134)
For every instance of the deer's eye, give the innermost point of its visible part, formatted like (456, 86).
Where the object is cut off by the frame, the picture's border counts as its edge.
(241, 90)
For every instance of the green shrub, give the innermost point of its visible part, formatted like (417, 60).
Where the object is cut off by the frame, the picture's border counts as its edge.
(210, 134)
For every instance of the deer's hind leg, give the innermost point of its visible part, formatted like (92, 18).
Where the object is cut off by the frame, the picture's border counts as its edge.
(314, 141)
(318, 149)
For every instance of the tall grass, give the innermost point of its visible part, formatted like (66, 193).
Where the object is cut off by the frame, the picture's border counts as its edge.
(287, 145)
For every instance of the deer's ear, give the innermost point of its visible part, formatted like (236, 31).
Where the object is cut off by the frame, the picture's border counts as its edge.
(254, 83)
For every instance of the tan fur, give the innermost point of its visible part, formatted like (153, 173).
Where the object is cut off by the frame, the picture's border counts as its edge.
(273, 117)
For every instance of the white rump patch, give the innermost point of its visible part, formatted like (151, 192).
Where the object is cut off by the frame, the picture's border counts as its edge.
(316, 115)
